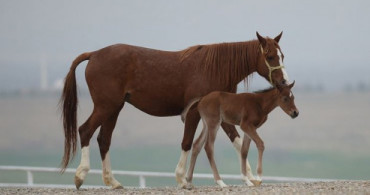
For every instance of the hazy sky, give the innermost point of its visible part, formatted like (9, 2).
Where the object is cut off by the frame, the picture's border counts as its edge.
(324, 42)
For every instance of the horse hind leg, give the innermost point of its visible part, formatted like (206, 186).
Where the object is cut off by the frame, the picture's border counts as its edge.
(104, 140)
(191, 124)
(86, 131)
(197, 147)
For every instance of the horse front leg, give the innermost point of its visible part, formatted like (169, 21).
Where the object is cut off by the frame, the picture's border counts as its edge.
(234, 137)
(191, 123)
(209, 147)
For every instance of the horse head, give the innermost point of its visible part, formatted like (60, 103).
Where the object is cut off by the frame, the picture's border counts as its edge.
(270, 61)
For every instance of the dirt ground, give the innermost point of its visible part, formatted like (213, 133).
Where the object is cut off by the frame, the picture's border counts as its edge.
(337, 187)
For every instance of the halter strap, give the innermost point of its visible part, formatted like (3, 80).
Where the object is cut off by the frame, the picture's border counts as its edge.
(271, 68)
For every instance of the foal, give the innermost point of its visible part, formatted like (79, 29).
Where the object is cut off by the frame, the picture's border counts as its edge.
(249, 110)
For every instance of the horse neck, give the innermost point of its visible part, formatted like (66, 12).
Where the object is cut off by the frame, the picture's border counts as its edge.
(229, 63)
(269, 101)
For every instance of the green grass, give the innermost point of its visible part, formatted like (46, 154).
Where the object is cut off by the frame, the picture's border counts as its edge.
(315, 164)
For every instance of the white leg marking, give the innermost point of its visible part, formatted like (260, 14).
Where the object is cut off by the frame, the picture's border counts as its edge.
(181, 169)
(247, 181)
(84, 166)
(285, 75)
(238, 145)
(259, 178)
(249, 171)
(221, 183)
(108, 177)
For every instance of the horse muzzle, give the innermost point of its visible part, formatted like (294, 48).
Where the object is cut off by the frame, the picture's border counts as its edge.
(294, 114)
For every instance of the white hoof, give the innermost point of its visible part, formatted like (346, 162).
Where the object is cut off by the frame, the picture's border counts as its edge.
(80, 175)
(248, 182)
(113, 183)
(256, 182)
(183, 185)
(180, 178)
(221, 183)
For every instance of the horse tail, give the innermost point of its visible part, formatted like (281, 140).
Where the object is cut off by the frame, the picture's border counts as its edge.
(192, 103)
(68, 104)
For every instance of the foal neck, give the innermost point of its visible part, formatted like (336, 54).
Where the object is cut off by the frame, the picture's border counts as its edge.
(269, 100)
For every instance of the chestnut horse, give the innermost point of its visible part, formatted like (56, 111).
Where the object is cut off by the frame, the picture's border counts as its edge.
(159, 83)
(249, 110)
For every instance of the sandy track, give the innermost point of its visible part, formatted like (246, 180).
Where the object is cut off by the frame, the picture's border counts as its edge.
(337, 187)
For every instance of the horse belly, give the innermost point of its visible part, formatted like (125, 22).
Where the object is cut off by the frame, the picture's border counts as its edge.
(155, 106)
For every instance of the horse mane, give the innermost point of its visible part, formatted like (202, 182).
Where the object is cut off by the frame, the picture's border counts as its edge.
(228, 63)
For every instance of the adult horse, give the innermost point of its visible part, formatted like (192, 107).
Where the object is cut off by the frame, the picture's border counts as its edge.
(159, 83)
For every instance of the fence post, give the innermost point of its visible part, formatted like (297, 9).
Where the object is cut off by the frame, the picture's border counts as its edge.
(29, 178)
(142, 182)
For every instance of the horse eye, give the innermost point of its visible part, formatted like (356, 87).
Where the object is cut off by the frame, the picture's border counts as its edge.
(270, 58)
(285, 99)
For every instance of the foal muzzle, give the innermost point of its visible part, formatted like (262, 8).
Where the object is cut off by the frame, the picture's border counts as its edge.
(294, 114)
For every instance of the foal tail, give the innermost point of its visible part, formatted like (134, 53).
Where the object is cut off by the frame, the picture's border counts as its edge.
(68, 103)
(192, 103)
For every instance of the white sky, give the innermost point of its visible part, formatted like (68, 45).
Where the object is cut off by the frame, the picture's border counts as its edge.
(324, 42)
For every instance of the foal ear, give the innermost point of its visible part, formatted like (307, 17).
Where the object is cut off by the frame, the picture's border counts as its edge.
(277, 38)
(291, 85)
(261, 39)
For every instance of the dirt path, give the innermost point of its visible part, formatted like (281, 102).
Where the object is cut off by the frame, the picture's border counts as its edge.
(338, 187)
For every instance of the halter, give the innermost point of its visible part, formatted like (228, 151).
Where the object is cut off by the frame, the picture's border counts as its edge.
(271, 68)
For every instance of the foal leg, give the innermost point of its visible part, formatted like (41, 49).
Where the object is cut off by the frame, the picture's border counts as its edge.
(252, 133)
(86, 131)
(197, 146)
(243, 157)
(104, 140)
(234, 137)
(191, 123)
(209, 147)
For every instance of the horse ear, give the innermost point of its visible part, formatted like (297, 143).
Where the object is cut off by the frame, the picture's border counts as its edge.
(261, 39)
(277, 38)
(291, 85)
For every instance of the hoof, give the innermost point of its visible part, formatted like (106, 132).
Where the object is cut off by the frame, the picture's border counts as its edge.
(117, 187)
(78, 182)
(256, 182)
(221, 184)
(182, 186)
(249, 183)
(189, 186)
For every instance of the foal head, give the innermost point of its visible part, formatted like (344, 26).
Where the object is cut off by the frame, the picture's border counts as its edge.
(270, 62)
(286, 100)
